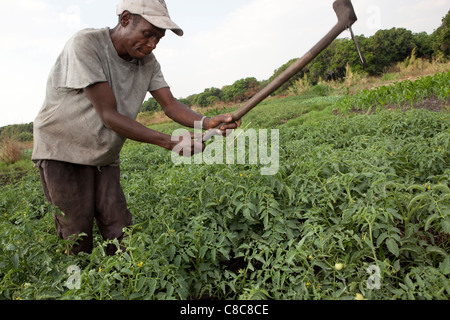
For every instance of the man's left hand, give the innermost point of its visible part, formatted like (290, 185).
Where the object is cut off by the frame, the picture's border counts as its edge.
(223, 122)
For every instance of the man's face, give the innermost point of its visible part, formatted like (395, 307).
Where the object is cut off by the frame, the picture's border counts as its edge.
(141, 37)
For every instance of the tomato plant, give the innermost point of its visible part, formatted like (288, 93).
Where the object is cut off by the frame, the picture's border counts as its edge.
(353, 193)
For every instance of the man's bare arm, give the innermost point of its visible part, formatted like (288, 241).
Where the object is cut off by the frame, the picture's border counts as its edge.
(104, 102)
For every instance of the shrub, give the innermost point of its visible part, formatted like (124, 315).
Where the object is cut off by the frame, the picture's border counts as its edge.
(10, 148)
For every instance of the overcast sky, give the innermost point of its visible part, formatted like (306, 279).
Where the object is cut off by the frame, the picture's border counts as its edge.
(224, 40)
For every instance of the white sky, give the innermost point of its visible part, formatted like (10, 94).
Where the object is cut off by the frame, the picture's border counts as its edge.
(224, 40)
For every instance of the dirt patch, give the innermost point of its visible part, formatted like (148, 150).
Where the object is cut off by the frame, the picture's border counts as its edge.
(433, 104)
(10, 178)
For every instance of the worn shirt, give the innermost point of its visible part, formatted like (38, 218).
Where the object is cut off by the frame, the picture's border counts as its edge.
(68, 127)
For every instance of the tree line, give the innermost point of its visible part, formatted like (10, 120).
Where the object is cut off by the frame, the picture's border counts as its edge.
(20, 132)
(382, 50)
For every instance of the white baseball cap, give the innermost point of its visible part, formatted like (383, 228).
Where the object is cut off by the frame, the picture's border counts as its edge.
(154, 11)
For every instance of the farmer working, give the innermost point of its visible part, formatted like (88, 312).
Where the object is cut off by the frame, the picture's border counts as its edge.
(94, 94)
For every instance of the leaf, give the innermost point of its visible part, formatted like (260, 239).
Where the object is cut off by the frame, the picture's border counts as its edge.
(416, 187)
(397, 266)
(409, 283)
(358, 240)
(202, 252)
(446, 226)
(126, 256)
(177, 261)
(10, 247)
(15, 260)
(392, 246)
(127, 271)
(290, 257)
(171, 251)
(135, 295)
(251, 206)
(237, 195)
(170, 289)
(368, 242)
(276, 278)
(152, 287)
(141, 283)
(247, 214)
(213, 253)
(417, 198)
(238, 207)
(442, 188)
(437, 250)
(430, 220)
(419, 281)
(444, 266)
(289, 192)
(381, 238)
(321, 264)
(117, 276)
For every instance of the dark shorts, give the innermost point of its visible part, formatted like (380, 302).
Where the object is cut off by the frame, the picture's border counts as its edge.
(85, 194)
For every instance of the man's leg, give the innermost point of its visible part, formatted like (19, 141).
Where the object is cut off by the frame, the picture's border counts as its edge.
(111, 211)
(70, 187)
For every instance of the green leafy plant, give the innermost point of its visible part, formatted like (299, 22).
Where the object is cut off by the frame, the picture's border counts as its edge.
(353, 193)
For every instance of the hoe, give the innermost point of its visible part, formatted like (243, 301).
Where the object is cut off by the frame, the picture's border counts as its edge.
(346, 18)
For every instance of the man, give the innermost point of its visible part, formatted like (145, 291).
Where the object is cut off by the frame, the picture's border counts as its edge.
(93, 96)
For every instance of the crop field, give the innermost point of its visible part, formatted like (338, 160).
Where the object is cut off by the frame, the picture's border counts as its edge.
(359, 209)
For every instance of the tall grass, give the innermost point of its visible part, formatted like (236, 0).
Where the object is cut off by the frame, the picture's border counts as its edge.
(15, 154)
(410, 69)
(413, 67)
(10, 148)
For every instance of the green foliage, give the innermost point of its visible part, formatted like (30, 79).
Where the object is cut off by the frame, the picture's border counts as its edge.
(388, 47)
(331, 64)
(21, 132)
(241, 90)
(208, 97)
(405, 92)
(424, 45)
(381, 50)
(355, 190)
(441, 43)
(151, 105)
